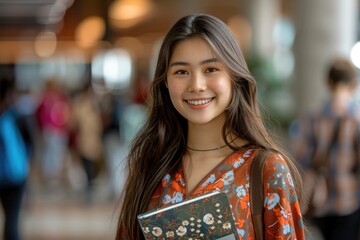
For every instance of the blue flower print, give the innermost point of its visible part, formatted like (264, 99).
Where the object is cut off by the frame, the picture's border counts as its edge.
(211, 179)
(248, 152)
(290, 180)
(166, 178)
(228, 178)
(182, 182)
(240, 191)
(272, 200)
(241, 232)
(177, 198)
(238, 163)
(167, 199)
(286, 229)
(285, 215)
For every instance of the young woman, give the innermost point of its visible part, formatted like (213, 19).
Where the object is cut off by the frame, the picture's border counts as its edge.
(203, 131)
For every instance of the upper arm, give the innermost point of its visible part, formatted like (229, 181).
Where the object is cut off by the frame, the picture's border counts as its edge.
(282, 217)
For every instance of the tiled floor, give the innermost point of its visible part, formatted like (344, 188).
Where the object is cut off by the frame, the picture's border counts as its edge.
(61, 214)
(47, 221)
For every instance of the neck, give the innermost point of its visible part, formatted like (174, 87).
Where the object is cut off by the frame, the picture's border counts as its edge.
(341, 99)
(206, 140)
(204, 137)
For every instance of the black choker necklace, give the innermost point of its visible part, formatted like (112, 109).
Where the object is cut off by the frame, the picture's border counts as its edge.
(206, 150)
(217, 148)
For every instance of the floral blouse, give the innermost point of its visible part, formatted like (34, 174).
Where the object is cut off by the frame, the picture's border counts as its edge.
(282, 217)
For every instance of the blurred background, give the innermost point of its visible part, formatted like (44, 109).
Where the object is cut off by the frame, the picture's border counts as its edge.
(81, 70)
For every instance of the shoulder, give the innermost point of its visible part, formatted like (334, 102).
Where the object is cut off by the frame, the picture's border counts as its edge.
(247, 156)
(277, 175)
(275, 163)
(271, 164)
(275, 158)
(271, 157)
(241, 160)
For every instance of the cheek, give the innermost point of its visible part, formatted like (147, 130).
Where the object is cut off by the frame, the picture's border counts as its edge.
(175, 91)
(223, 88)
(175, 94)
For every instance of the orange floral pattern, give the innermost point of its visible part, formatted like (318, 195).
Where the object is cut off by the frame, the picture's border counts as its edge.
(282, 217)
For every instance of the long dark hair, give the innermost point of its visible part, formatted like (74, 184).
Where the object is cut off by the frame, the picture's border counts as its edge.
(160, 145)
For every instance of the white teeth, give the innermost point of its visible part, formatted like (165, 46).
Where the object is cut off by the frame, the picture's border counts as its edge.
(199, 102)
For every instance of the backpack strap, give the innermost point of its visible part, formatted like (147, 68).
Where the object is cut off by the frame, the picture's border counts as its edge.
(256, 192)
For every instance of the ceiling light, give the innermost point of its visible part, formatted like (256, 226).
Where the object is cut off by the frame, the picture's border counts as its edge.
(45, 44)
(126, 13)
(90, 31)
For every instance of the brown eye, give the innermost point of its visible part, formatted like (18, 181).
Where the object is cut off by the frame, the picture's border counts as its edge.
(210, 70)
(181, 72)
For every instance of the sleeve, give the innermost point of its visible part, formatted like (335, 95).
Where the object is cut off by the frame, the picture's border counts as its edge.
(282, 216)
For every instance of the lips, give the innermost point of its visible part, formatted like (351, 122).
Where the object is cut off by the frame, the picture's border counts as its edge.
(199, 101)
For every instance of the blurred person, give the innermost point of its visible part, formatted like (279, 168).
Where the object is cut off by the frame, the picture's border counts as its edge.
(112, 144)
(26, 104)
(122, 117)
(202, 134)
(327, 141)
(53, 117)
(86, 121)
(131, 121)
(13, 161)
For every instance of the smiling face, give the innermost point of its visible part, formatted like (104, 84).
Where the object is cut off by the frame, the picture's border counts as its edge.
(199, 84)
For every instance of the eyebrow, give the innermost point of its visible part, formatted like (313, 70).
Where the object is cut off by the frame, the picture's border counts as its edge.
(211, 60)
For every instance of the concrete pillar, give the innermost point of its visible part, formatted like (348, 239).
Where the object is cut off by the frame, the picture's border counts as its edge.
(324, 29)
(262, 15)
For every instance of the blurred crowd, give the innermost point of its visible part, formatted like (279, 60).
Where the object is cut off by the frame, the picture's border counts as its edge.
(69, 139)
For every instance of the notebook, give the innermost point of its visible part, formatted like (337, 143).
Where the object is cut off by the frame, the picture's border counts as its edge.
(206, 217)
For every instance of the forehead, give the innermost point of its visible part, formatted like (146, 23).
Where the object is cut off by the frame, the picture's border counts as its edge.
(192, 48)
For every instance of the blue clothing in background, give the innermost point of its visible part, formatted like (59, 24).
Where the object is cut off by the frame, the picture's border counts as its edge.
(13, 153)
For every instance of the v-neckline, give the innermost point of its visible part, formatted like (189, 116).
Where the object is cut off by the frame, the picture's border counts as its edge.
(187, 194)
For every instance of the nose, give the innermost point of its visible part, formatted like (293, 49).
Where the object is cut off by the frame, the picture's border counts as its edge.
(197, 83)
